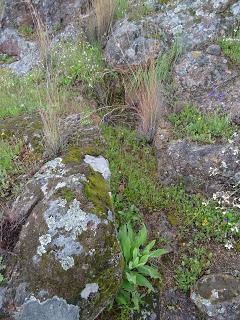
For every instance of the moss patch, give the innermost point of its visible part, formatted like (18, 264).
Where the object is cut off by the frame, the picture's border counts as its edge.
(66, 193)
(77, 154)
(97, 190)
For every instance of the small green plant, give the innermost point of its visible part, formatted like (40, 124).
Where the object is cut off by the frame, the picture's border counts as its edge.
(122, 8)
(231, 46)
(5, 58)
(191, 123)
(25, 30)
(2, 268)
(192, 268)
(137, 268)
(131, 215)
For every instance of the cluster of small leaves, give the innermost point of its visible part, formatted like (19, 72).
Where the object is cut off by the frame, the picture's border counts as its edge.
(137, 268)
(207, 128)
(231, 46)
(191, 268)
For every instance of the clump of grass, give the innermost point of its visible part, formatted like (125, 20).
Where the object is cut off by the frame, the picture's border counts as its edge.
(207, 128)
(5, 58)
(148, 89)
(25, 30)
(104, 12)
(231, 47)
(122, 8)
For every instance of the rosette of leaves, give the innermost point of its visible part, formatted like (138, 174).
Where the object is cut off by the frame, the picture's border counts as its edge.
(137, 271)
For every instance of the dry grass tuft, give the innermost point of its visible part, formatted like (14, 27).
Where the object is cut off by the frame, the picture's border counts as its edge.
(104, 11)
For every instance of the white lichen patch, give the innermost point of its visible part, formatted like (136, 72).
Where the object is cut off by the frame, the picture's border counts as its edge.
(99, 164)
(90, 288)
(65, 223)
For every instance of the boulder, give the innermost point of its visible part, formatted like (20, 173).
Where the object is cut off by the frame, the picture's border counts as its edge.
(205, 80)
(194, 22)
(205, 168)
(67, 262)
(26, 52)
(218, 296)
(55, 13)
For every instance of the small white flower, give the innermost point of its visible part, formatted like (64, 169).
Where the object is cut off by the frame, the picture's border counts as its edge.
(229, 245)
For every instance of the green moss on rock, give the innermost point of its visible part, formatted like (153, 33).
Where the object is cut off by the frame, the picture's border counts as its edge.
(66, 193)
(77, 154)
(97, 190)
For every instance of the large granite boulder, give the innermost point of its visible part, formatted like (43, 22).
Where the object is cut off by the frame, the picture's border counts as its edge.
(218, 296)
(67, 263)
(194, 22)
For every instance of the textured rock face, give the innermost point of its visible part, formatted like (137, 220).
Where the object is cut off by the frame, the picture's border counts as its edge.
(195, 22)
(53, 12)
(69, 264)
(218, 296)
(27, 53)
(204, 79)
(202, 168)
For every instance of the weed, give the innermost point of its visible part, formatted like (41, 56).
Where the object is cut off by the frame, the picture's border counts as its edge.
(137, 268)
(231, 47)
(5, 58)
(25, 30)
(192, 268)
(191, 123)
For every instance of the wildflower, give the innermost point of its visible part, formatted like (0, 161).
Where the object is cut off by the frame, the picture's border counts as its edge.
(205, 222)
(229, 245)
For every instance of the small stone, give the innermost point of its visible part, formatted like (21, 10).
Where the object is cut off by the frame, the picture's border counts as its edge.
(218, 296)
(214, 50)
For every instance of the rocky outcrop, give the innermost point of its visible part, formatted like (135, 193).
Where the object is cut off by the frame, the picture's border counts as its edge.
(194, 22)
(55, 13)
(201, 168)
(205, 80)
(218, 296)
(67, 261)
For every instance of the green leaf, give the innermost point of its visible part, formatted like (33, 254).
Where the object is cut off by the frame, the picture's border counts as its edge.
(131, 277)
(157, 253)
(149, 247)
(125, 242)
(134, 264)
(140, 238)
(135, 253)
(122, 299)
(143, 282)
(126, 285)
(143, 260)
(149, 271)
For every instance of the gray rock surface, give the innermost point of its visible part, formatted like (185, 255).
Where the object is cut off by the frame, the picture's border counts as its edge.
(70, 265)
(55, 13)
(195, 22)
(205, 80)
(218, 296)
(27, 53)
(201, 168)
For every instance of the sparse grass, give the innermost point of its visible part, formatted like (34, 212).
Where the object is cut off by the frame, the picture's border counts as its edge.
(206, 128)
(122, 8)
(191, 268)
(8, 151)
(5, 58)
(25, 30)
(231, 47)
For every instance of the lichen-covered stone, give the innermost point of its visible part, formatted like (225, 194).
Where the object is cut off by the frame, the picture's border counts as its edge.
(218, 296)
(194, 22)
(68, 245)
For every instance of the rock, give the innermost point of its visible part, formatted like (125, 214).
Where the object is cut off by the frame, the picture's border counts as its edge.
(218, 296)
(201, 168)
(55, 13)
(11, 43)
(205, 80)
(194, 22)
(150, 308)
(68, 263)
(129, 45)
